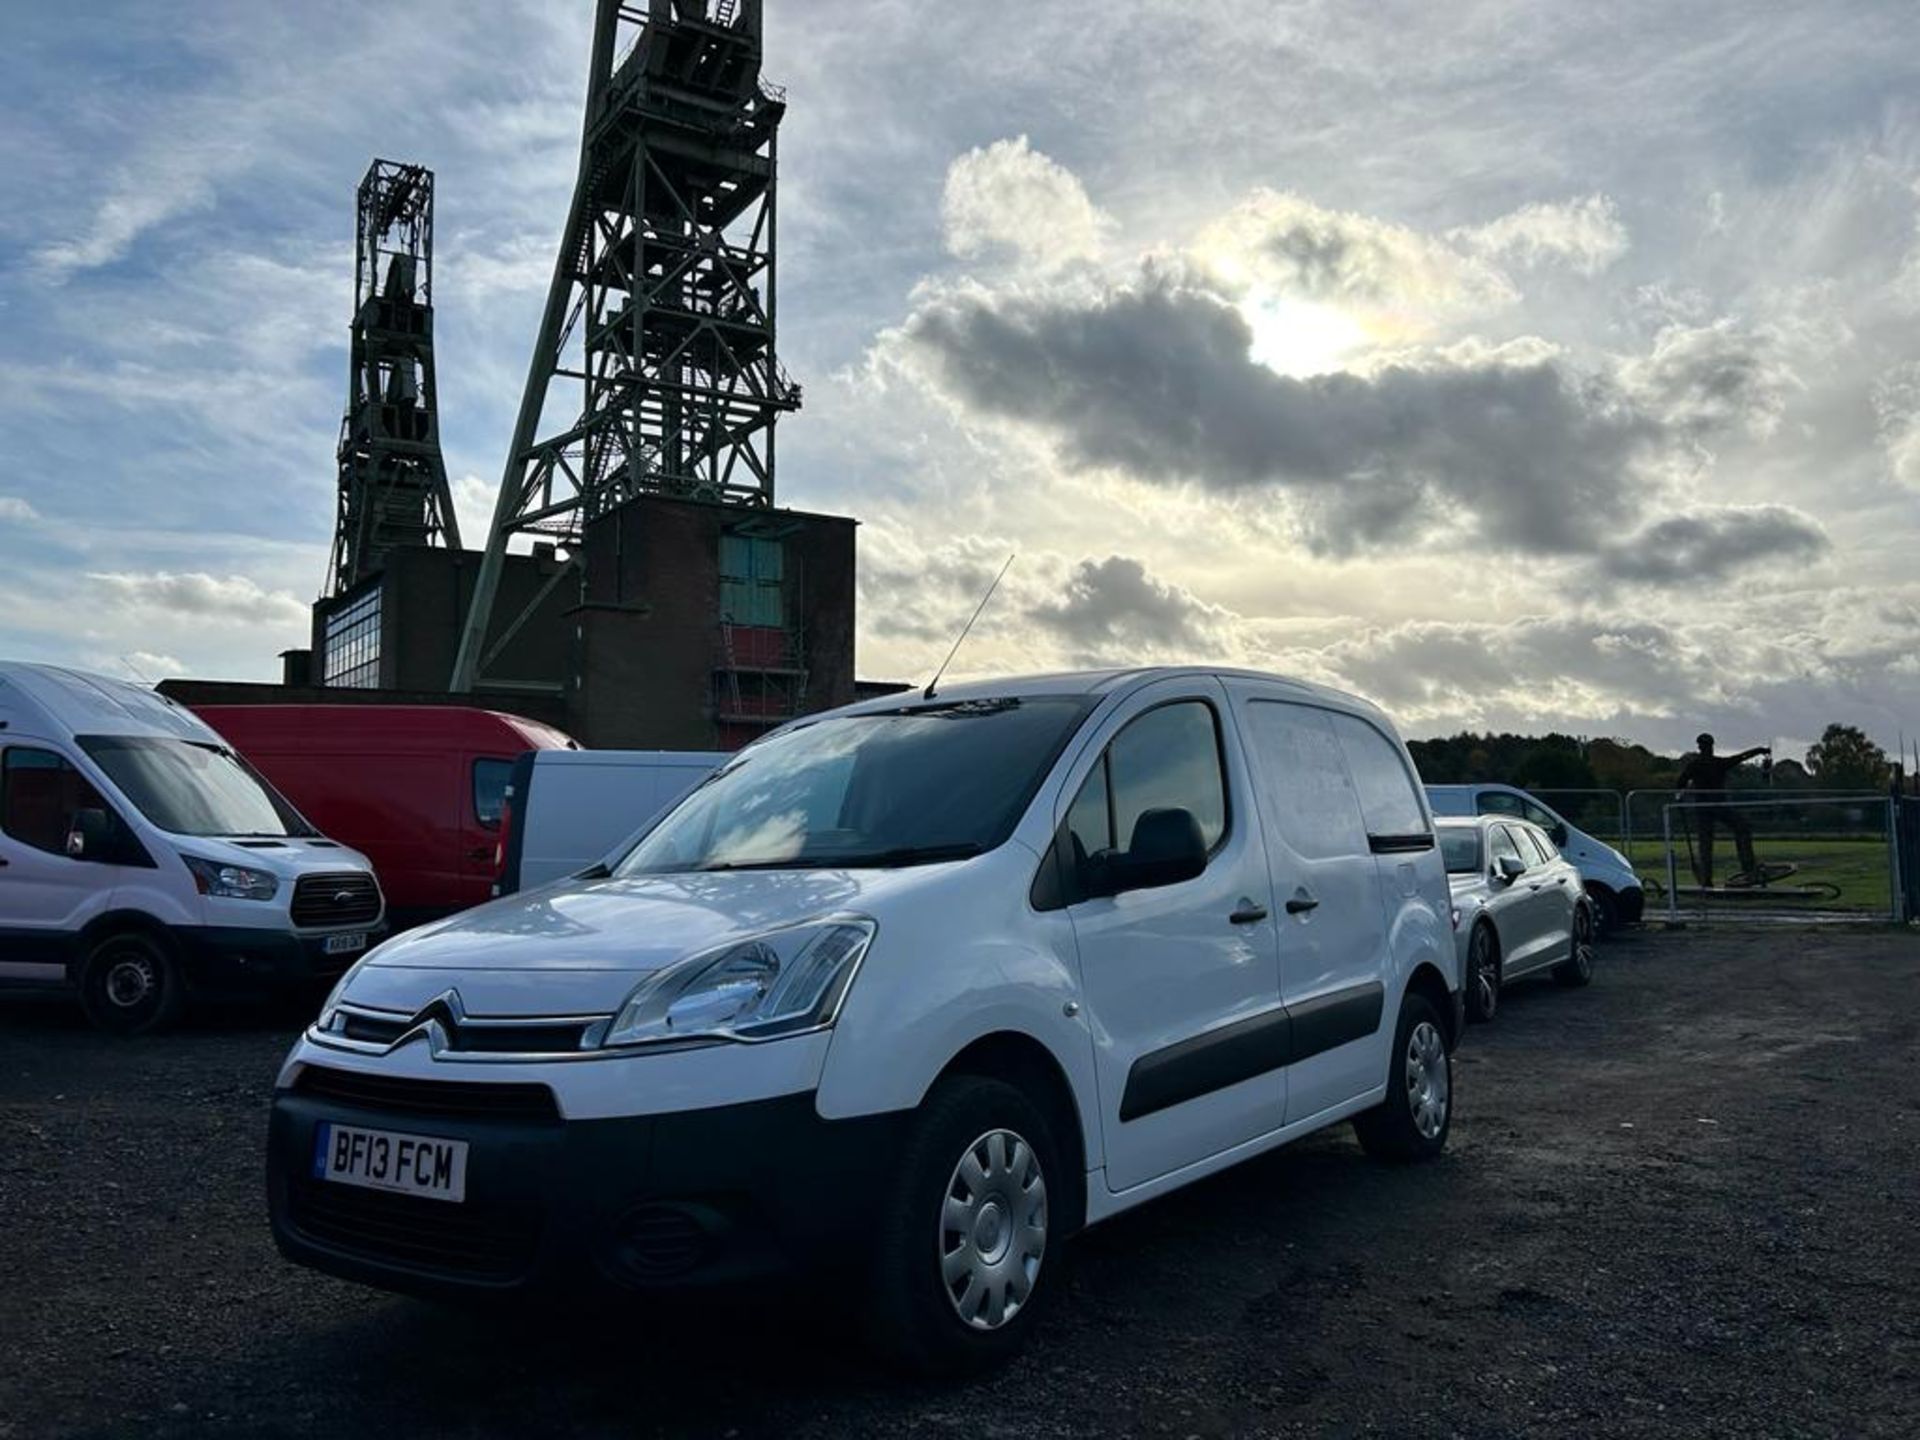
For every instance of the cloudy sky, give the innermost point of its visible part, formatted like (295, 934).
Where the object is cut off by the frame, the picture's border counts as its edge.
(1516, 365)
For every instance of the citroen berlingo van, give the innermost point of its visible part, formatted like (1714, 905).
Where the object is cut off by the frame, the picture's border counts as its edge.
(913, 990)
(143, 862)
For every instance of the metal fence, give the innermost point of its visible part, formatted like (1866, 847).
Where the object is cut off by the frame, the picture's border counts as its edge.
(1820, 854)
(1774, 856)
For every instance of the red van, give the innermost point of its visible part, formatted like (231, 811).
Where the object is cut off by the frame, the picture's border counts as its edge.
(417, 789)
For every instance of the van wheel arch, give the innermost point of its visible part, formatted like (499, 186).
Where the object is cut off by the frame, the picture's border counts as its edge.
(1427, 980)
(119, 922)
(1029, 1066)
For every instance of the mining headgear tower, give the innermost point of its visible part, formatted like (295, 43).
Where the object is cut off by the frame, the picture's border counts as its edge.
(393, 482)
(638, 584)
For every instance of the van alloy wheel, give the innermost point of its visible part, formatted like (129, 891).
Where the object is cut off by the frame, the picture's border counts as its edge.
(1427, 1079)
(993, 1229)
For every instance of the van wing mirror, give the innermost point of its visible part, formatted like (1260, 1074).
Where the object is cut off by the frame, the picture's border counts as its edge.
(1167, 847)
(1557, 832)
(1511, 868)
(91, 836)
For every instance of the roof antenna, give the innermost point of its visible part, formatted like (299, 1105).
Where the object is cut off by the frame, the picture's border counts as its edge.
(927, 694)
(136, 672)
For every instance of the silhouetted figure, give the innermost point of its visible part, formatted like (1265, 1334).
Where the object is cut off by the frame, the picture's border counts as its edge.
(1703, 779)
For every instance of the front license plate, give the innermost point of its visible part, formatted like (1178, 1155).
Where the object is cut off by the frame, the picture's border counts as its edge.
(345, 944)
(385, 1160)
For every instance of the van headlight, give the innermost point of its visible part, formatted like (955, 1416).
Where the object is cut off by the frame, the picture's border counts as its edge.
(753, 989)
(231, 882)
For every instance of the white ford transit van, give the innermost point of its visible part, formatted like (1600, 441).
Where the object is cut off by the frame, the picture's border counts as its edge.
(141, 860)
(913, 989)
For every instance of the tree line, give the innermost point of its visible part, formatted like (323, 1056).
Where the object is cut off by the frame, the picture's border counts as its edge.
(1844, 758)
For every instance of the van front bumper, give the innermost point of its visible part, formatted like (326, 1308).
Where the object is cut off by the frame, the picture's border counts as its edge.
(232, 958)
(699, 1198)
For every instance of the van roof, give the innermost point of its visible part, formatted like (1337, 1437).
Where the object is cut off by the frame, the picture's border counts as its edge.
(51, 700)
(1100, 682)
(385, 727)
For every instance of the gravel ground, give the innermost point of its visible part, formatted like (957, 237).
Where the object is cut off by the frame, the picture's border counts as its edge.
(1681, 1202)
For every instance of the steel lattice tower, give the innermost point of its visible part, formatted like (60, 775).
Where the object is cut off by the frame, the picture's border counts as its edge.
(393, 482)
(661, 305)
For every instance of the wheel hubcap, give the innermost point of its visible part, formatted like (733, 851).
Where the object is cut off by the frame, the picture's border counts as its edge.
(130, 981)
(993, 1229)
(1427, 1079)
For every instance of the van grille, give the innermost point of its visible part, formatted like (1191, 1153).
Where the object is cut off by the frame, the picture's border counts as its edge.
(478, 1242)
(330, 902)
(403, 1095)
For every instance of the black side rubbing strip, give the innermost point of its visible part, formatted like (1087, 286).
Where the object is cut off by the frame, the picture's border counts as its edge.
(1399, 844)
(1205, 1063)
(1212, 1061)
(1328, 1020)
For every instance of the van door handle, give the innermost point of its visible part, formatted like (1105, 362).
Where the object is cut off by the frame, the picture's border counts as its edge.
(1300, 904)
(1248, 914)
(482, 852)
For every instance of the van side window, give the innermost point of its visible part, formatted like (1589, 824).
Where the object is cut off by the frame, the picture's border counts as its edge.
(1090, 817)
(1303, 779)
(40, 793)
(490, 779)
(1389, 795)
(1167, 758)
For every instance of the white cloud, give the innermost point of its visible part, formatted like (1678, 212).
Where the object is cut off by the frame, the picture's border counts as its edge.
(1896, 402)
(220, 599)
(1585, 235)
(134, 205)
(13, 508)
(1009, 196)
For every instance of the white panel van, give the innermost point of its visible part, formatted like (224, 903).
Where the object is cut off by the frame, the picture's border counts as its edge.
(141, 860)
(909, 991)
(566, 809)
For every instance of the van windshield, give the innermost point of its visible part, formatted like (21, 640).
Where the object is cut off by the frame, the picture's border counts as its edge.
(187, 788)
(1461, 847)
(904, 787)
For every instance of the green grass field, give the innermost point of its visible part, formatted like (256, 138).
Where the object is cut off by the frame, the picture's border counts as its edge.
(1856, 866)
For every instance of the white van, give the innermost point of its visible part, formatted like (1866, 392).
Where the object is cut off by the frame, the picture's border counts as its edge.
(566, 809)
(1612, 885)
(141, 859)
(911, 990)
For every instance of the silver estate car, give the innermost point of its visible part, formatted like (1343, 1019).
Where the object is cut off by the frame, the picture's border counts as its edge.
(1519, 906)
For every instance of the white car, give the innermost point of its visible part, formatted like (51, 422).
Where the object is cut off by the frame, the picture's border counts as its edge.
(1608, 876)
(911, 991)
(142, 861)
(1519, 907)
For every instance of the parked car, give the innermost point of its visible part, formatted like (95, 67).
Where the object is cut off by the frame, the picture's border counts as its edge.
(1607, 875)
(1519, 907)
(142, 860)
(567, 809)
(913, 990)
(418, 788)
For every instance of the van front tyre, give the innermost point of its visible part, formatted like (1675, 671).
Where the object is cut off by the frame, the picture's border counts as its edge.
(966, 1248)
(1413, 1121)
(131, 985)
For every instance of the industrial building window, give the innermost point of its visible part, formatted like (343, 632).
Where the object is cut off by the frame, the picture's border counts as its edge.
(352, 658)
(751, 572)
